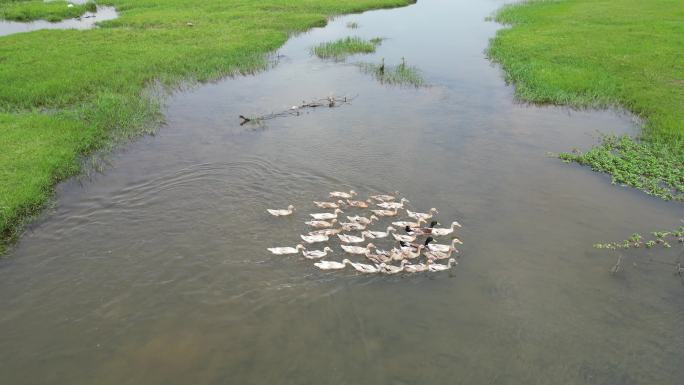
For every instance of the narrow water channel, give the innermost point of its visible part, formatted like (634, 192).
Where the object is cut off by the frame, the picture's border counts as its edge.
(155, 271)
(87, 21)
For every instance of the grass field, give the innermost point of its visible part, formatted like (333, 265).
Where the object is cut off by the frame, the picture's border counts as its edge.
(55, 10)
(66, 93)
(601, 53)
(340, 49)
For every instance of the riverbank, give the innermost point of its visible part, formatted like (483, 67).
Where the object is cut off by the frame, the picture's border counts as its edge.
(623, 53)
(67, 93)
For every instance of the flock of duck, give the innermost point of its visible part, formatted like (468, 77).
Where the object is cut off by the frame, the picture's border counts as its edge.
(404, 256)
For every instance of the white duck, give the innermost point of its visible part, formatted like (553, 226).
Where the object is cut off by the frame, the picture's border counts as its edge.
(358, 204)
(342, 194)
(437, 255)
(417, 268)
(316, 254)
(412, 253)
(445, 231)
(281, 213)
(327, 205)
(357, 249)
(363, 220)
(314, 238)
(404, 238)
(346, 238)
(326, 216)
(383, 197)
(391, 269)
(285, 250)
(393, 205)
(442, 248)
(327, 232)
(321, 224)
(380, 256)
(440, 267)
(425, 216)
(331, 265)
(352, 226)
(385, 213)
(403, 224)
(364, 267)
(380, 234)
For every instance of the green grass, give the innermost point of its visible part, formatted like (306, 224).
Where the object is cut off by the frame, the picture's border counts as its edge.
(38, 9)
(601, 53)
(342, 48)
(66, 93)
(402, 74)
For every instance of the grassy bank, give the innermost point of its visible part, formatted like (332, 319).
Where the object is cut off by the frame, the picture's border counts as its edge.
(340, 49)
(38, 9)
(65, 92)
(598, 53)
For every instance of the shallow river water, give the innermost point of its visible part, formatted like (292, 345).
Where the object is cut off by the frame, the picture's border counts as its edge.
(155, 271)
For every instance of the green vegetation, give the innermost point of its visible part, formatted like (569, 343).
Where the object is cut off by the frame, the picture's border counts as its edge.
(662, 238)
(340, 49)
(38, 9)
(603, 53)
(352, 25)
(66, 93)
(402, 74)
(650, 167)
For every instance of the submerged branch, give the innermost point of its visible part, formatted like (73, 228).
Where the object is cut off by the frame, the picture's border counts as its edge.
(330, 102)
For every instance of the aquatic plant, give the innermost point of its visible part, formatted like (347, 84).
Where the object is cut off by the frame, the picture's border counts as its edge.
(340, 49)
(636, 240)
(352, 25)
(401, 74)
(650, 167)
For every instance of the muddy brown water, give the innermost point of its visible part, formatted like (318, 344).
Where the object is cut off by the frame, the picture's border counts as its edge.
(155, 270)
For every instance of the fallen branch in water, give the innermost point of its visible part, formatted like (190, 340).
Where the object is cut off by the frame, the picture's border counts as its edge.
(330, 102)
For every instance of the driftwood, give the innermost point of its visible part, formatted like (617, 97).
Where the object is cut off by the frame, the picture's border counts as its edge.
(330, 102)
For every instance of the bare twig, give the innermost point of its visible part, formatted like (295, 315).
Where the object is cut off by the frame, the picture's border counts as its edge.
(330, 102)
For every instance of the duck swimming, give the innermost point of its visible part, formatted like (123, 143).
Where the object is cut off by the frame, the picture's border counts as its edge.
(352, 226)
(326, 216)
(363, 220)
(393, 205)
(357, 249)
(403, 224)
(316, 254)
(314, 238)
(281, 213)
(285, 250)
(421, 230)
(440, 267)
(391, 269)
(327, 232)
(425, 216)
(358, 204)
(328, 205)
(404, 238)
(342, 194)
(331, 265)
(445, 231)
(364, 268)
(383, 197)
(442, 248)
(385, 213)
(321, 224)
(380, 234)
(351, 238)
